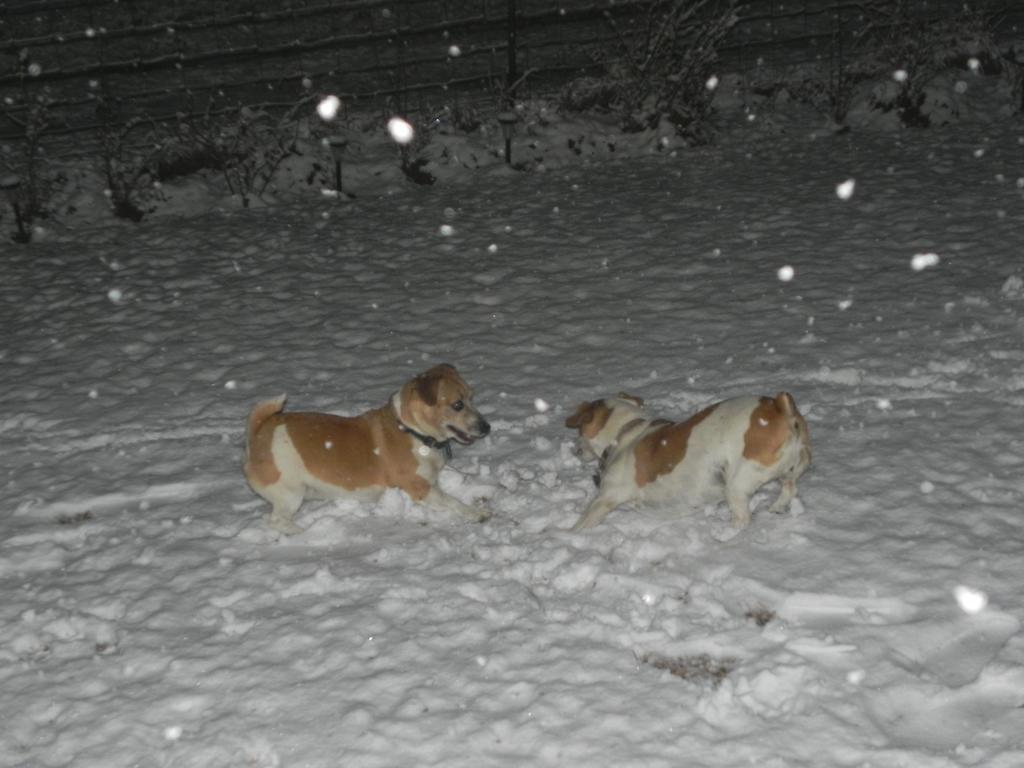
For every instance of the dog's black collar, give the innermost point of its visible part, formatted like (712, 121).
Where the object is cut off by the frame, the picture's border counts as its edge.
(445, 446)
(602, 462)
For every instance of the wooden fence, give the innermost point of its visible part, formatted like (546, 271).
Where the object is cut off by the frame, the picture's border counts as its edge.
(100, 61)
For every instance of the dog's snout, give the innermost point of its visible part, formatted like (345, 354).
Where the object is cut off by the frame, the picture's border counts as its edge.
(483, 427)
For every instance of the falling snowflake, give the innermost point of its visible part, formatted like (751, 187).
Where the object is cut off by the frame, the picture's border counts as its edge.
(923, 261)
(401, 131)
(969, 599)
(844, 190)
(786, 273)
(328, 107)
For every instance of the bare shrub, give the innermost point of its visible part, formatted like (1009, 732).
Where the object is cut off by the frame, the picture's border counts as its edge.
(245, 145)
(27, 161)
(849, 63)
(668, 53)
(911, 47)
(587, 94)
(131, 183)
(412, 155)
(1013, 72)
(901, 49)
(973, 45)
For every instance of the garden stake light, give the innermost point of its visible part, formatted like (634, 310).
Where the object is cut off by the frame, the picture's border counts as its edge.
(10, 186)
(508, 124)
(337, 145)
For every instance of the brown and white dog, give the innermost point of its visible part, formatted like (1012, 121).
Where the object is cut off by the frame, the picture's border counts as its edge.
(402, 445)
(728, 450)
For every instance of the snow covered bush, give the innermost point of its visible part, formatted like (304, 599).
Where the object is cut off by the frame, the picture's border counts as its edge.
(131, 183)
(911, 48)
(412, 148)
(28, 162)
(889, 57)
(245, 145)
(667, 54)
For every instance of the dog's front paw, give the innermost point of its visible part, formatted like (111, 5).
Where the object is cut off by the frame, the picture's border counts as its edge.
(482, 515)
(739, 522)
(286, 526)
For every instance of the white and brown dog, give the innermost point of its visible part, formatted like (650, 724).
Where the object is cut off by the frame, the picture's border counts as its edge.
(728, 450)
(402, 445)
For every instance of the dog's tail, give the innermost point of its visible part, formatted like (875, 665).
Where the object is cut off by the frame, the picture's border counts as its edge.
(259, 414)
(263, 411)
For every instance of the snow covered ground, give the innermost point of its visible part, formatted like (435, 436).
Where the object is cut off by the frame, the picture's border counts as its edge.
(151, 618)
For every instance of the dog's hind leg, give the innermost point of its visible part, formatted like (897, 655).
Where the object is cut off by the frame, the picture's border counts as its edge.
(595, 512)
(286, 501)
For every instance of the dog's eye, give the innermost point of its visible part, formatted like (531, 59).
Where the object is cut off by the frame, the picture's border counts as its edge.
(458, 405)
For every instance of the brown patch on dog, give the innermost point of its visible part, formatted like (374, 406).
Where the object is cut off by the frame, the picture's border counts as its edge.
(657, 453)
(589, 418)
(356, 452)
(259, 458)
(428, 384)
(769, 429)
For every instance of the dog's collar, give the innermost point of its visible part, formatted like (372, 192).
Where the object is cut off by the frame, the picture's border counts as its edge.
(602, 461)
(628, 426)
(445, 446)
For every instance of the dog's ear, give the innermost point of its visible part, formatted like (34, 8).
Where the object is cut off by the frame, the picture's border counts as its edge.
(785, 403)
(583, 414)
(428, 383)
(638, 401)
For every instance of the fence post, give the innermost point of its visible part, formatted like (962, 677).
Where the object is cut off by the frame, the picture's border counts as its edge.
(510, 82)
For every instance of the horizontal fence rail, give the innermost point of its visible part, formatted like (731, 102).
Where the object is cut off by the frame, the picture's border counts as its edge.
(97, 62)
